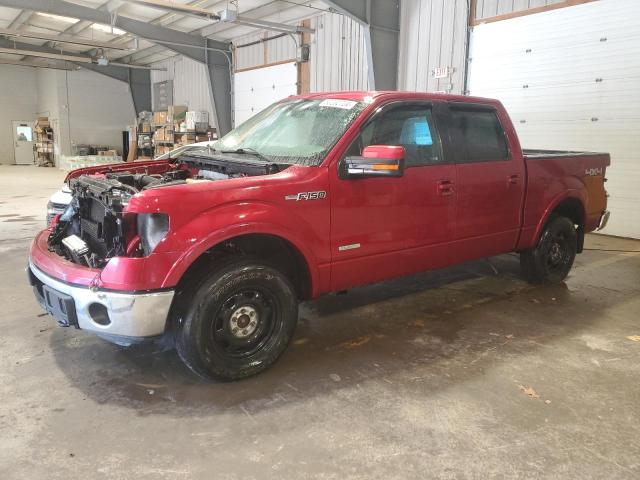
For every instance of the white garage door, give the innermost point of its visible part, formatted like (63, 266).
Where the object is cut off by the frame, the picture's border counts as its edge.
(256, 89)
(570, 79)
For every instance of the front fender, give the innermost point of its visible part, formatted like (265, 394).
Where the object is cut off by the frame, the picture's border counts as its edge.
(224, 222)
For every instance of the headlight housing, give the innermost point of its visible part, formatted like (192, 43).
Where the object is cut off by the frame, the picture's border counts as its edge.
(152, 228)
(51, 212)
(54, 209)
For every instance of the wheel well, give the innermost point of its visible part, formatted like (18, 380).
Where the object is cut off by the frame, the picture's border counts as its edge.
(278, 252)
(573, 209)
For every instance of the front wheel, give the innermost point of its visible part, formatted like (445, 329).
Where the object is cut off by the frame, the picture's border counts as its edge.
(238, 321)
(551, 260)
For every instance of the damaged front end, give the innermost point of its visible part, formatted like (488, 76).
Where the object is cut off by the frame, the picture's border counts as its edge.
(95, 226)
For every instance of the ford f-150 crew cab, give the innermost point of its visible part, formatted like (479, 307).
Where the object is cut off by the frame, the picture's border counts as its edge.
(216, 245)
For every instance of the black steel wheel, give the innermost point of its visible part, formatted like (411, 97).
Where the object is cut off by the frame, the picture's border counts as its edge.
(238, 322)
(552, 258)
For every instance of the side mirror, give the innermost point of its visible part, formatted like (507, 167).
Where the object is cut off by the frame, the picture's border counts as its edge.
(376, 161)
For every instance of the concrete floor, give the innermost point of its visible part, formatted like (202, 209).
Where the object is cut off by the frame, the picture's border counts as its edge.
(463, 373)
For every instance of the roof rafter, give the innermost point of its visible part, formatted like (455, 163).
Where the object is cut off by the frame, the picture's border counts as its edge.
(56, 64)
(260, 12)
(170, 19)
(22, 18)
(61, 38)
(153, 33)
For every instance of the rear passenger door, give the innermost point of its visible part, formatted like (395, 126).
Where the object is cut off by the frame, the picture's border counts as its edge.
(489, 181)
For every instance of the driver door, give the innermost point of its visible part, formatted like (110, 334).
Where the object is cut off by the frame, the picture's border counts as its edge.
(391, 226)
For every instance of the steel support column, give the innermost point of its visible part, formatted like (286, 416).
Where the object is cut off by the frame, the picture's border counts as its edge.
(140, 88)
(220, 71)
(382, 19)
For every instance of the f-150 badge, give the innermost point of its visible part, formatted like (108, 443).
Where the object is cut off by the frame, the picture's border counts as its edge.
(307, 196)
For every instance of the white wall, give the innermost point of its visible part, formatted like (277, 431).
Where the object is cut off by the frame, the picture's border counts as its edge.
(18, 101)
(84, 107)
(99, 108)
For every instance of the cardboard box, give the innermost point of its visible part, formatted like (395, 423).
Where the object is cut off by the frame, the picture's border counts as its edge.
(159, 118)
(40, 124)
(176, 113)
(108, 153)
(197, 121)
(146, 128)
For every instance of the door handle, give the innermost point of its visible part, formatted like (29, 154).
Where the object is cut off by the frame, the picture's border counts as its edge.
(445, 187)
(513, 179)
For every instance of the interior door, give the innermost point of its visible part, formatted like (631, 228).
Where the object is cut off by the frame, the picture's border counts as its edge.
(390, 226)
(490, 181)
(23, 142)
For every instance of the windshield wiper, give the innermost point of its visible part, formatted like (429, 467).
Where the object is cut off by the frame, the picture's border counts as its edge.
(249, 151)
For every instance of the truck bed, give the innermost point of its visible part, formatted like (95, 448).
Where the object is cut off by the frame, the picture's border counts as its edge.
(551, 174)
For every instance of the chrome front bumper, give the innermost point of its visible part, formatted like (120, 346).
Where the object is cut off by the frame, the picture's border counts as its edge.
(131, 317)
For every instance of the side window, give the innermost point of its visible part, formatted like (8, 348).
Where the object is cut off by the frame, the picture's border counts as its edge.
(478, 136)
(409, 126)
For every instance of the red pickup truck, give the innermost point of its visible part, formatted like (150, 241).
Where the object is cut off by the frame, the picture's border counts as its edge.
(217, 244)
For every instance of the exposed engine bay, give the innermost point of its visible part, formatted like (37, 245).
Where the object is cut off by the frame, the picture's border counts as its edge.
(94, 227)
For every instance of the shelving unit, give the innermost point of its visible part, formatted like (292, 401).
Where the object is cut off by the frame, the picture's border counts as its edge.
(156, 135)
(44, 146)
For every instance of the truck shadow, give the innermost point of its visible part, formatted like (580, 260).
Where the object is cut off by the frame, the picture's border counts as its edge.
(422, 326)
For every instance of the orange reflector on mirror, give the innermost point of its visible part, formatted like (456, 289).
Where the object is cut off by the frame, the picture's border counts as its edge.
(385, 167)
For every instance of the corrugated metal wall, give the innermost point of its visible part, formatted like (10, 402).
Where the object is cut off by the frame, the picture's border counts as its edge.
(492, 8)
(338, 54)
(337, 58)
(264, 53)
(433, 33)
(190, 83)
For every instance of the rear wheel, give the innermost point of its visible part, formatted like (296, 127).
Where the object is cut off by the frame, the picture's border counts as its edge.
(552, 258)
(238, 321)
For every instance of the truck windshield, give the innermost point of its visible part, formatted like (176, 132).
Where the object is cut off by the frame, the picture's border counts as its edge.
(299, 131)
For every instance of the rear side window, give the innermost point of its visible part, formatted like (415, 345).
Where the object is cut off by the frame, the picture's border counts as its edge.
(478, 136)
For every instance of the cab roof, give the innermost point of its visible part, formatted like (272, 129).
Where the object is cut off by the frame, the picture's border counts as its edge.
(360, 96)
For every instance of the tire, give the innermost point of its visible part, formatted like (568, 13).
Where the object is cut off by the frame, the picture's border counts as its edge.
(238, 320)
(551, 260)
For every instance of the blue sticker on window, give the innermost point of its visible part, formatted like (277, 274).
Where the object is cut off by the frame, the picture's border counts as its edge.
(416, 132)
